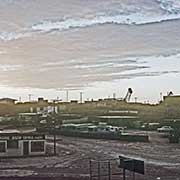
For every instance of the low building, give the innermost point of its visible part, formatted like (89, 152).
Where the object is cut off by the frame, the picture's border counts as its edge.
(172, 100)
(14, 143)
(7, 101)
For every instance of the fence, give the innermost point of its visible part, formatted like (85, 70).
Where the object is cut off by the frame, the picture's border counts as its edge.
(113, 169)
(104, 169)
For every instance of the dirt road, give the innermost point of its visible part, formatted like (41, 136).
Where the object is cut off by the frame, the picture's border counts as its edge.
(162, 160)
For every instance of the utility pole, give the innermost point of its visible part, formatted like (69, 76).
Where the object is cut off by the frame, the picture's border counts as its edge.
(54, 134)
(135, 99)
(114, 95)
(67, 95)
(161, 96)
(81, 97)
(54, 127)
(30, 95)
(57, 98)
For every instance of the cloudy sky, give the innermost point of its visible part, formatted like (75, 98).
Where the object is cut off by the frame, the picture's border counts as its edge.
(97, 47)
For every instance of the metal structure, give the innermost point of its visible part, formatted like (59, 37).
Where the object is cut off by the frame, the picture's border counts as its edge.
(170, 93)
(112, 169)
(128, 95)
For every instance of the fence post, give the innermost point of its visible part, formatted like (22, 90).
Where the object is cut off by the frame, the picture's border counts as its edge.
(109, 169)
(90, 169)
(54, 136)
(124, 174)
(99, 175)
(133, 170)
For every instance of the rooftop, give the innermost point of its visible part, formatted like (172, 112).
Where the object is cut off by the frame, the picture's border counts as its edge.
(8, 99)
(18, 131)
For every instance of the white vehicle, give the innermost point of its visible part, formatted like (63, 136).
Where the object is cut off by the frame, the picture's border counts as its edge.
(165, 129)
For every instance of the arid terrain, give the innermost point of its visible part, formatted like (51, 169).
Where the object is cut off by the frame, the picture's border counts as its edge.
(162, 159)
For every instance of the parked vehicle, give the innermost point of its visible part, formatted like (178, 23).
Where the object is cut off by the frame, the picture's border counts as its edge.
(165, 129)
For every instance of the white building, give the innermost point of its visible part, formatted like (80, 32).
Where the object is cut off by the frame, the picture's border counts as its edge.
(15, 143)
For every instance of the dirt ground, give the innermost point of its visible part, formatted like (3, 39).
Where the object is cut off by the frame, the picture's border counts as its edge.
(162, 160)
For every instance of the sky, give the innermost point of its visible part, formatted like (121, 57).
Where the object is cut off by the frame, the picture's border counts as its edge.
(96, 47)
